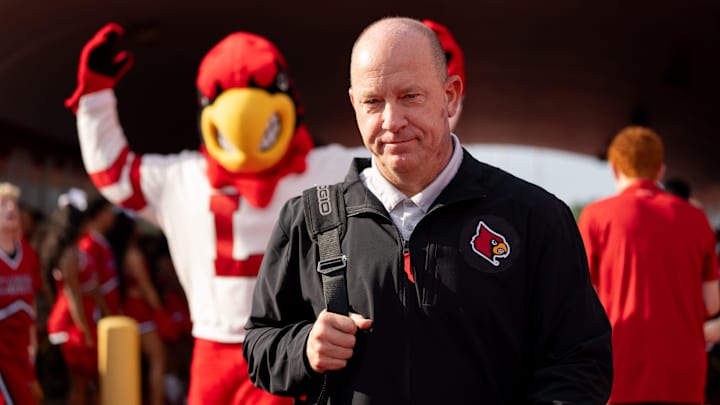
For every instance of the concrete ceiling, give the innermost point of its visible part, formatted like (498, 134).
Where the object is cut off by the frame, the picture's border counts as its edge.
(564, 74)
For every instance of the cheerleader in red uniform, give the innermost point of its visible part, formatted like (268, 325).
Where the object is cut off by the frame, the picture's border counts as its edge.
(100, 216)
(70, 323)
(19, 282)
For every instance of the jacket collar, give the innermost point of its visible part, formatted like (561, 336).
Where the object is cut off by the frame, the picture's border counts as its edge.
(469, 183)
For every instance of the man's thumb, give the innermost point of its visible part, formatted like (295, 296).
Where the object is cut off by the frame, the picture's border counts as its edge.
(360, 321)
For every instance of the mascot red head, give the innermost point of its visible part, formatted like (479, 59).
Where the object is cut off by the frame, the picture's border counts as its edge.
(251, 117)
(455, 59)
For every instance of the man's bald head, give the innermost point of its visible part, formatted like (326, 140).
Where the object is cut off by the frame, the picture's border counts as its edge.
(384, 35)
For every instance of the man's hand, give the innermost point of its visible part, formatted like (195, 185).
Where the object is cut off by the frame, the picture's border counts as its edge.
(331, 340)
(98, 68)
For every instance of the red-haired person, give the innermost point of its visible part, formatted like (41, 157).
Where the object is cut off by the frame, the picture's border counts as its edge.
(653, 264)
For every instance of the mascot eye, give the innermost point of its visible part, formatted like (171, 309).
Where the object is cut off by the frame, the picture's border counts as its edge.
(282, 82)
(493, 242)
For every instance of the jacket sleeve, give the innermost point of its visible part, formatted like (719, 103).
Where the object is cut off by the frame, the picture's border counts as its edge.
(571, 345)
(280, 318)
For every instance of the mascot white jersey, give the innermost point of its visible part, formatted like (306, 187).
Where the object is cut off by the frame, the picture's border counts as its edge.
(216, 237)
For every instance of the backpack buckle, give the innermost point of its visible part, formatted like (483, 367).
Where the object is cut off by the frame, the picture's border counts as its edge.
(332, 264)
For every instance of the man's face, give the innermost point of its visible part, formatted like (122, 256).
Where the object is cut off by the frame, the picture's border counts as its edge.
(9, 214)
(402, 105)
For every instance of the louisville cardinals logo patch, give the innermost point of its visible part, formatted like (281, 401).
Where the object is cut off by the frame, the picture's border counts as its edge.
(490, 245)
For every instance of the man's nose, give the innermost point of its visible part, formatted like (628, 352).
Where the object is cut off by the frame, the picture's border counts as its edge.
(393, 117)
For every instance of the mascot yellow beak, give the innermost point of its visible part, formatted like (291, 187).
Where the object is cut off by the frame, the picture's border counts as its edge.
(248, 130)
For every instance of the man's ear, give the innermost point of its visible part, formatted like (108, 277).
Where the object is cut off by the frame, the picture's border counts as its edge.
(661, 172)
(615, 171)
(618, 178)
(352, 99)
(453, 92)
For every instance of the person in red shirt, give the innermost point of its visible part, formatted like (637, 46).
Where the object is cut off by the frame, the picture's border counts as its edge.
(653, 264)
(19, 282)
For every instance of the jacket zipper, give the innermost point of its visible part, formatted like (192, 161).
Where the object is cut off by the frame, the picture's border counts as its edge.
(404, 288)
(408, 288)
(407, 266)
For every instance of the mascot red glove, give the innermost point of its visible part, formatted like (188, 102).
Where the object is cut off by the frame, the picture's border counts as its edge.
(98, 68)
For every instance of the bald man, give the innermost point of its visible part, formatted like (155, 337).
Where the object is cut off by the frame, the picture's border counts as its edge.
(464, 283)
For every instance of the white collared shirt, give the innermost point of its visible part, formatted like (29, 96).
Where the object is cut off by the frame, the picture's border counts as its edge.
(407, 212)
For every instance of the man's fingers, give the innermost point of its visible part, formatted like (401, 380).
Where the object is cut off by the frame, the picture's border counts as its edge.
(360, 321)
(335, 330)
(324, 355)
(332, 339)
(329, 350)
(347, 324)
(336, 321)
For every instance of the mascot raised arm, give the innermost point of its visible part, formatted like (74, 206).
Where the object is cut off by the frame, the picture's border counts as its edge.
(216, 205)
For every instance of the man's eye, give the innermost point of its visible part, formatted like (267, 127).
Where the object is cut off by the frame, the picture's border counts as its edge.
(370, 101)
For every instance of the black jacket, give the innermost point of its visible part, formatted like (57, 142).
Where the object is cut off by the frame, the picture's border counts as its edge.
(519, 325)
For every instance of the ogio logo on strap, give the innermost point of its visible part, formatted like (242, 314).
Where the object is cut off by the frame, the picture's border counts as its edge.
(323, 196)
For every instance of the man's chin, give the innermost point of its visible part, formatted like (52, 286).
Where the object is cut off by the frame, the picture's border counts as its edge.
(404, 164)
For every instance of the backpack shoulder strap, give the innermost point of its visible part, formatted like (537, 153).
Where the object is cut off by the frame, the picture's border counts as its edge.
(325, 217)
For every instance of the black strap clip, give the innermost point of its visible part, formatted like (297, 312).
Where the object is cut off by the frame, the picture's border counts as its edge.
(332, 264)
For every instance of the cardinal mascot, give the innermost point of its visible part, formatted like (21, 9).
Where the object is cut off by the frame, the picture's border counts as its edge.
(216, 205)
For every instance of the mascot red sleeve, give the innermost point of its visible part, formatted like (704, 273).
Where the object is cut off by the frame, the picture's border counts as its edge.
(455, 60)
(216, 205)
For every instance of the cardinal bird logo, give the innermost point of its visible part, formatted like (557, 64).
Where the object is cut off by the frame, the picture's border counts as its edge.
(489, 244)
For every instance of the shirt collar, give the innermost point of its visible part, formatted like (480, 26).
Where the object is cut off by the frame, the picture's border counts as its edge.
(642, 184)
(390, 196)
